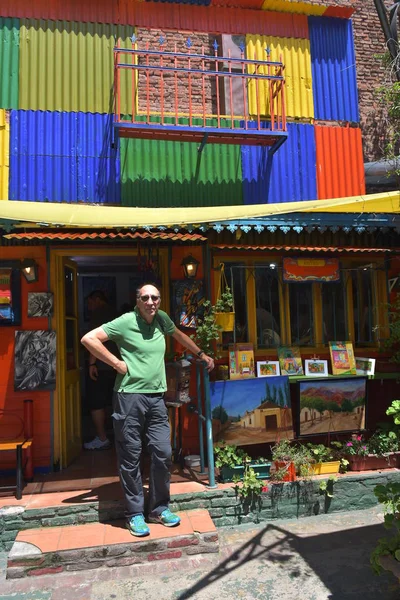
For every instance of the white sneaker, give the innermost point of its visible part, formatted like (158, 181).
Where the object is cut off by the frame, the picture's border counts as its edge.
(97, 444)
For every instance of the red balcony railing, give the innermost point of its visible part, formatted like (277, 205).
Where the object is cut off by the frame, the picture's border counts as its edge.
(187, 96)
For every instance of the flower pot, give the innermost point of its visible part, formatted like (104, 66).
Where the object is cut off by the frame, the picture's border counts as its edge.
(325, 468)
(226, 320)
(290, 470)
(371, 462)
(262, 471)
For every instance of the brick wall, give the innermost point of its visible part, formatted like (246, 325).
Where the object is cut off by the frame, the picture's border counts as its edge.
(201, 43)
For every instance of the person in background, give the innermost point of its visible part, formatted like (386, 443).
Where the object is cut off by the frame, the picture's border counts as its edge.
(101, 375)
(138, 403)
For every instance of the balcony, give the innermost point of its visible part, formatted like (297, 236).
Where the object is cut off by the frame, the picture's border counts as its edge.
(198, 97)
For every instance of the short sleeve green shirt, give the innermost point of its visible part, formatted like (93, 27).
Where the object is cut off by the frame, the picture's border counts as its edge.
(142, 348)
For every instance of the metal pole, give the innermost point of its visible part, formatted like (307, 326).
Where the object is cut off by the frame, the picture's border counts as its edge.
(200, 420)
(210, 448)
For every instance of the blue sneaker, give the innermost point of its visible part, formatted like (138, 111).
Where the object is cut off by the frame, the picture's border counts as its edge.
(166, 518)
(137, 526)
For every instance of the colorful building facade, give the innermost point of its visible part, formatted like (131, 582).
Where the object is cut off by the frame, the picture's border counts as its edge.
(212, 131)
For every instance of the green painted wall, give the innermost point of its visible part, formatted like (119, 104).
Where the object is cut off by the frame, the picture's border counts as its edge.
(9, 62)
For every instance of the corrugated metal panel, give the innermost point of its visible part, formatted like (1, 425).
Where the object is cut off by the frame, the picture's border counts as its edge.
(101, 11)
(333, 69)
(212, 19)
(192, 2)
(63, 157)
(342, 12)
(238, 3)
(161, 173)
(289, 177)
(9, 60)
(340, 167)
(293, 6)
(295, 54)
(68, 66)
(4, 154)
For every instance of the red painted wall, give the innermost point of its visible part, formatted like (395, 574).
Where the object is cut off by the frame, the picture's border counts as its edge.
(9, 399)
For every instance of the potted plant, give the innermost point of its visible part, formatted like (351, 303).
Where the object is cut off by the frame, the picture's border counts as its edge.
(362, 459)
(233, 461)
(224, 313)
(283, 458)
(386, 555)
(207, 331)
(325, 460)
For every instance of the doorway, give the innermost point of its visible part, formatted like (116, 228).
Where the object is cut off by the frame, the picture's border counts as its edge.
(75, 274)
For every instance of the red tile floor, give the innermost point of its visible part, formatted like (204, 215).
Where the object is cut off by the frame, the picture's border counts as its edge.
(94, 476)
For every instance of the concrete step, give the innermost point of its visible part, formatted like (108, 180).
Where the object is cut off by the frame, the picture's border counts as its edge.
(92, 545)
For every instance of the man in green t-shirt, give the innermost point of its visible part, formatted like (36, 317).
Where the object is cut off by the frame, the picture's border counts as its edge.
(138, 403)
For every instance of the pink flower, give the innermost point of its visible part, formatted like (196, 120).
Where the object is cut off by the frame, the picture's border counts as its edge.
(364, 447)
(359, 438)
(264, 488)
(349, 444)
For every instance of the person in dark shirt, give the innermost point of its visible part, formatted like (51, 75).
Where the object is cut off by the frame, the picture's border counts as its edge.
(101, 375)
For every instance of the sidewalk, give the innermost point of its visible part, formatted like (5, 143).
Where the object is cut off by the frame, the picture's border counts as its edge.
(315, 558)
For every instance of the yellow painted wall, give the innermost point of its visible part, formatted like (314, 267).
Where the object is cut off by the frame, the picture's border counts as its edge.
(294, 7)
(4, 154)
(295, 55)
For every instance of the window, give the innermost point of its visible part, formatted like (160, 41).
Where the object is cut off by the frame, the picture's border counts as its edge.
(236, 277)
(267, 307)
(301, 314)
(363, 306)
(334, 317)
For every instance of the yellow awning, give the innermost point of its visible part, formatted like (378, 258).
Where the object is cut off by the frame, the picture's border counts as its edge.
(84, 215)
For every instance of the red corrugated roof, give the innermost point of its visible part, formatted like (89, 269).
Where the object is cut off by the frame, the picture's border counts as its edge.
(299, 248)
(70, 236)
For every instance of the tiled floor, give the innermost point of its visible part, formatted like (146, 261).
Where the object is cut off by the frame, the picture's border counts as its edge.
(93, 476)
(99, 534)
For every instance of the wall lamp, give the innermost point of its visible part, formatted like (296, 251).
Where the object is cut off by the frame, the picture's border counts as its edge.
(190, 265)
(27, 266)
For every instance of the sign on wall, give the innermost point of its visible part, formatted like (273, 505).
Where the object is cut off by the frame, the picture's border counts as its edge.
(310, 269)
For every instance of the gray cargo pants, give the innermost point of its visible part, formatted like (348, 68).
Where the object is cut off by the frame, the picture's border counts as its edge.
(133, 416)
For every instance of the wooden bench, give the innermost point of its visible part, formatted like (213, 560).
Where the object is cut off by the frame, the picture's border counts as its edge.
(20, 441)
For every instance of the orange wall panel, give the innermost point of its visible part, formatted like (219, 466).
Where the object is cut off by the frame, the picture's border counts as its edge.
(340, 164)
(11, 400)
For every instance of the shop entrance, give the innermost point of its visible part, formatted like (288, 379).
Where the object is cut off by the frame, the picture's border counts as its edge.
(76, 275)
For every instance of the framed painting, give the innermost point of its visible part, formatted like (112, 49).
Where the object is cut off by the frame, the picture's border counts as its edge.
(188, 298)
(268, 368)
(316, 367)
(251, 411)
(10, 297)
(290, 360)
(331, 405)
(35, 360)
(40, 304)
(241, 361)
(342, 356)
(365, 366)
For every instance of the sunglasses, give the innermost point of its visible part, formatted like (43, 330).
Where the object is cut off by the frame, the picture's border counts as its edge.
(147, 296)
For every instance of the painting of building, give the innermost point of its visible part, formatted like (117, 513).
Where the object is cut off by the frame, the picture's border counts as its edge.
(251, 411)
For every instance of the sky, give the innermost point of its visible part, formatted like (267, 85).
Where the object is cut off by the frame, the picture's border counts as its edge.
(243, 395)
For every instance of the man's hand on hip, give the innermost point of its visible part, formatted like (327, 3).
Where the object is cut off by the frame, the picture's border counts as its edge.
(121, 367)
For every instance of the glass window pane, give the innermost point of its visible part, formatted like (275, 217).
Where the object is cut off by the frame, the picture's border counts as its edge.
(267, 307)
(301, 314)
(363, 302)
(334, 317)
(69, 276)
(236, 277)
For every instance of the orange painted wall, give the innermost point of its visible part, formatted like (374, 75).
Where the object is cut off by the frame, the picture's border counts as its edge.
(340, 163)
(9, 399)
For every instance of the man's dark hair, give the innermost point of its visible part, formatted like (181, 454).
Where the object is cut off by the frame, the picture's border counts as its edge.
(97, 295)
(141, 286)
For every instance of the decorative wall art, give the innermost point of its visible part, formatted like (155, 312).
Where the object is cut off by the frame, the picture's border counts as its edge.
(251, 411)
(241, 361)
(311, 269)
(35, 360)
(331, 405)
(10, 297)
(103, 283)
(187, 300)
(268, 368)
(40, 304)
(290, 360)
(316, 367)
(365, 366)
(342, 356)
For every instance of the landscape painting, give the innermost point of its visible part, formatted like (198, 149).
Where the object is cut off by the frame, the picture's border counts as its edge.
(332, 406)
(251, 411)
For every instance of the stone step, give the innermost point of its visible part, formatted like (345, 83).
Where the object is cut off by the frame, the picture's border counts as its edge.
(93, 545)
